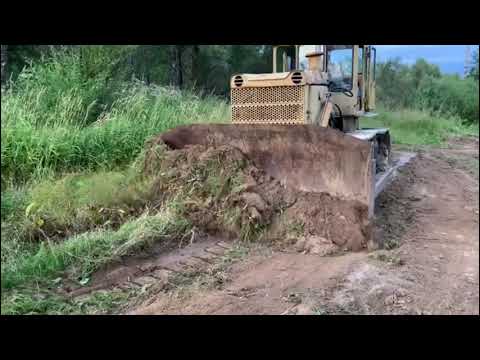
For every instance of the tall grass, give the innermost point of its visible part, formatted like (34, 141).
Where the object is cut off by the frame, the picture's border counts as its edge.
(66, 141)
(46, 128)
(29, 150)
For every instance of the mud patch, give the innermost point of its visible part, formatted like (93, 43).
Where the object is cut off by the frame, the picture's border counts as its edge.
(370, 289)
(394, 211)
(156, 268)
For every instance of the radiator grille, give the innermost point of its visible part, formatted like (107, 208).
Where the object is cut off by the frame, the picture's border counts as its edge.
(272, 105)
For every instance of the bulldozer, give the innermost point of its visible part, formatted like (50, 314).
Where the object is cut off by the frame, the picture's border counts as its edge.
(301, 122)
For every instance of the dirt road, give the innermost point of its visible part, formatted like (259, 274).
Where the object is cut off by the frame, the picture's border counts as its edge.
(431, 211)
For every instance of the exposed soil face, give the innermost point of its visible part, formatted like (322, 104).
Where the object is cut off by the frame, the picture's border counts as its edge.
(226, 193)
(430, 210)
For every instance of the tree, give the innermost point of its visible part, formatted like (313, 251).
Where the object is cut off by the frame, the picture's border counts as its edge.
(4, 60)
(395, 83)
(422, 70)
(474, 70)
(203, 67)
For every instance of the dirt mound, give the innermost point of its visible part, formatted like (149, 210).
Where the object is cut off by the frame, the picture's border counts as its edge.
(291, 154)
(223, 192)
(430, 210)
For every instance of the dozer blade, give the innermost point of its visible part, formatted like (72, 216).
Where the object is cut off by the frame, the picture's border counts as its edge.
(305, 157)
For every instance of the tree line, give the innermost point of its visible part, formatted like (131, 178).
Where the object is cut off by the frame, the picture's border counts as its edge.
(423, 86)
(208, 68)
(202, 67)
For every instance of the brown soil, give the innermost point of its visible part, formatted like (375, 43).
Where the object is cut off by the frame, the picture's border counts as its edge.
(430, 211)
(230, 195)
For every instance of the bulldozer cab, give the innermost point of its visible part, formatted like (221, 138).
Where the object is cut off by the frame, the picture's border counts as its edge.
(350, 70)
(293, 57)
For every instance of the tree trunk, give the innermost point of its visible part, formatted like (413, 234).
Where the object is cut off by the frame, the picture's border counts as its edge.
(179, 66)
(4, 60)
(195, 64)
(176, 65)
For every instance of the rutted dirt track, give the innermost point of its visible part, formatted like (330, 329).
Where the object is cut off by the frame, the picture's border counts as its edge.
(431, 209)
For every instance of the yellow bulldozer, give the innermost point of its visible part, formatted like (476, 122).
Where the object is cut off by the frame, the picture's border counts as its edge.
(301, 123)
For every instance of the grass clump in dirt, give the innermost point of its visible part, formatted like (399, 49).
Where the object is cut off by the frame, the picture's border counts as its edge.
(388, 257)
(210, 185)
(217, 275)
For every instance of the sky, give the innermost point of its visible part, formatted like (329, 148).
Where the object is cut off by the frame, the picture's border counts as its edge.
(450, 58)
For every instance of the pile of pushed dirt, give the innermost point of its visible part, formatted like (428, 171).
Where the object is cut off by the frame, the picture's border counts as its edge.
(222, 192)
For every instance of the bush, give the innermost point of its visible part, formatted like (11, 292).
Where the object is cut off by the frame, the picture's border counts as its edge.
(450, 95)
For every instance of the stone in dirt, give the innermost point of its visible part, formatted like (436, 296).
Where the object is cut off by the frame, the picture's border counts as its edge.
(316, 245)
(303, 309)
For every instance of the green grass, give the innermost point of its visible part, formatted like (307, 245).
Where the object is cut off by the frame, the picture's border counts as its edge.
(31, 151)
(85, 253)
(79, 201)
(30, 270)
(414, 127)
(70, 198)
(55, 209)
(32, 301)
(30, 276)
(57, 118)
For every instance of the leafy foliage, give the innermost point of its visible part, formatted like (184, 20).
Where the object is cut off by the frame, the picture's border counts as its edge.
(422, 86)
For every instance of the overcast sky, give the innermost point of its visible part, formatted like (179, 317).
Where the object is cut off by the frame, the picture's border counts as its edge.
(450, 58)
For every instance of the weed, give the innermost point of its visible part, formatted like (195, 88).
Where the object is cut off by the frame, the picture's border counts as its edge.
(387, 257)
(296, 228)
(320, 311)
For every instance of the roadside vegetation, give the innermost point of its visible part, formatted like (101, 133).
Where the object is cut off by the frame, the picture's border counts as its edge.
(73, 196)
(417, 128)
(73, 127)
(422, 106)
